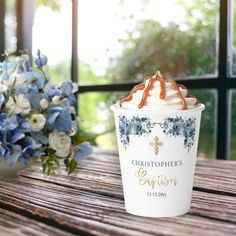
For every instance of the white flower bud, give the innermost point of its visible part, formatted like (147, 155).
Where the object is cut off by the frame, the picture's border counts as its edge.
(65, 102)
(43, 103)
(72, 110)
(75, 88)
(56, 100)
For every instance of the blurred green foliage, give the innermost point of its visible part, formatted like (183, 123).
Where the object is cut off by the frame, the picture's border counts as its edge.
(53, 4)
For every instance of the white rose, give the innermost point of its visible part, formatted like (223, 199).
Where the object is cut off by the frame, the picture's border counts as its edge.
(56, 100)
(75, 88)
(10, 105)
(37, 122)
(22, 105)
(60, 142)
(43, 103)
(3, 88)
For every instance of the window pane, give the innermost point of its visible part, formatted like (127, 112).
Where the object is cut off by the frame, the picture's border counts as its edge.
(233, 125)
(52, 34)
(126, 41)
(207, 146)
(10, 27)
(99, 124)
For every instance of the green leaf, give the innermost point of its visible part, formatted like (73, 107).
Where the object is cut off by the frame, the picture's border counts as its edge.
(72, 166)
(77, 139)
(67, 163)
(57, 162)
(34, 159)
(44, 159)
(50, 164)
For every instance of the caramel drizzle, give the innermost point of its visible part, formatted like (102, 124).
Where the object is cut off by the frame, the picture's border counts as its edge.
(146, 92)
(188, 94)
(162, 80)
(191, 96)
(134, 90)
(162, 85)
(179, 94)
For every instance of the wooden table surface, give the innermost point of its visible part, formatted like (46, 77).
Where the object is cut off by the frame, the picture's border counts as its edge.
(90, 202)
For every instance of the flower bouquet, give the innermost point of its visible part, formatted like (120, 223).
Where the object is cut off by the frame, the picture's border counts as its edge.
(37, 119)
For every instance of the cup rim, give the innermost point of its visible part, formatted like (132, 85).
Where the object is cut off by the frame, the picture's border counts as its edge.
(116, 108)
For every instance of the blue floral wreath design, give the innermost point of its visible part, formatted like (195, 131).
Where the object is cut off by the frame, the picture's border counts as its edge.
(179, 127)
(136, 126)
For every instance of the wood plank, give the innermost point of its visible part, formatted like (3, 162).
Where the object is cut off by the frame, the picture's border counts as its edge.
(214, 206)
(85, 211)
(210, 177)
(109, 202)
(17, 225)
(227, 204)
(92, 200)
(218, 176)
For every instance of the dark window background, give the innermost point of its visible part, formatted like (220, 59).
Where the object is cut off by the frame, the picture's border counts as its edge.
(117, 46)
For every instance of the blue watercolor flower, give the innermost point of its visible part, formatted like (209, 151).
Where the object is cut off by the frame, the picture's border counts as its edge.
(136, 126)
(179, 127)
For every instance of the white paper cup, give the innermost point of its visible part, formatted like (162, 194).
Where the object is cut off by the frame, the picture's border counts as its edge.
(157, 153)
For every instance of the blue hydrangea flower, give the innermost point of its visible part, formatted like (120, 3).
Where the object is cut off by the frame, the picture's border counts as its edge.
(2, 99)
(15, 141)
(83, 151)
(50, 91)
(31, 92)
(59, 119)
(26, 66)
(41, 60)
(40, 137)
(5, 74)
(67, 88)
(12, 154)
(18, 142)
(35, 77)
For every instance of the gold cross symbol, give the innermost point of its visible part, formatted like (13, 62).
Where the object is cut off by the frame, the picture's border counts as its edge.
(156, 143)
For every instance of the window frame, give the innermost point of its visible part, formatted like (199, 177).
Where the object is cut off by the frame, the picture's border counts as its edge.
(2, 29)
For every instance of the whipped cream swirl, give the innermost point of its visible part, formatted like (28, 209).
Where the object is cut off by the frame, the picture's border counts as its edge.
(159, 93)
